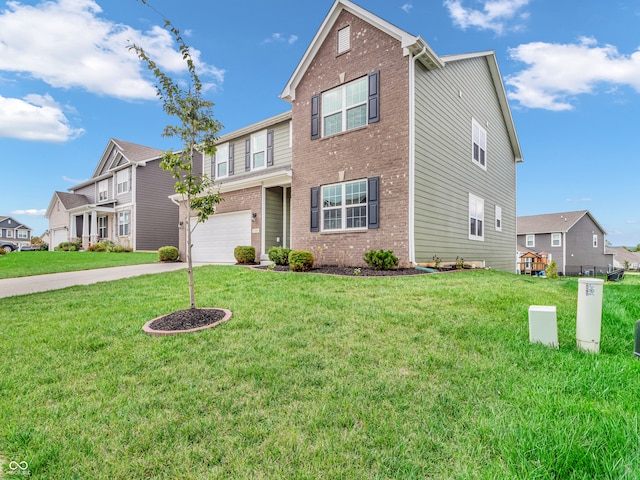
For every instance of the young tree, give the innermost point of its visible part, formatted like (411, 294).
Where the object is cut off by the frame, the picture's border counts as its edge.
(197, 129)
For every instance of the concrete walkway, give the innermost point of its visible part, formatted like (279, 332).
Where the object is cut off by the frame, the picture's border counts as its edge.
(10, 287)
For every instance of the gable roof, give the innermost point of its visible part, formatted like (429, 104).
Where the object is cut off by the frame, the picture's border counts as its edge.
(68, 200)
(116, 150)
(410, 43)
(621, 255)
(552, 222)
(14, 225)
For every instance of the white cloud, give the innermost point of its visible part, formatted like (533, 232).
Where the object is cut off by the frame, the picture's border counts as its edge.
(73, 180)
(578, 200)
(35, 118)
(556, 73)
(76, 48)
(407, 7)
(496, 15)
(280, 38)
(32, 212)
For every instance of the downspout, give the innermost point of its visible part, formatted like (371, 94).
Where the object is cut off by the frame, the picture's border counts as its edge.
(412, 154)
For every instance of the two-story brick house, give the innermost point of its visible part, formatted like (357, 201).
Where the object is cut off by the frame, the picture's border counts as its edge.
(390, 147)
(126, 200)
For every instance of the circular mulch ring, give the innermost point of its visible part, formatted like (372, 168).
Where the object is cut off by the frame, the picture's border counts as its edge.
(187, 321)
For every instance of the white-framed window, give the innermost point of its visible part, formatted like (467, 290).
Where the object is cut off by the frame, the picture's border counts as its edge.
(124, 219)
(498, 218)
(259, 150)
(122, 180)
(531, 241)
(344, 39)
(103, 190)
(595, 240)
(479, 144)
(345, 107)
(476, 218)
(9, 233)
(528, 263)
(344, 206)
(222, 161)
(23, 234)
(102, 227)
(556, 239)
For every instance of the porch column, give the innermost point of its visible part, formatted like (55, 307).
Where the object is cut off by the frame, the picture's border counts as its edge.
(85, 230)
(72, 229)
(94, 227)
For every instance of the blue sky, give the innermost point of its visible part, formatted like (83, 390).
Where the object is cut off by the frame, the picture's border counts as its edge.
(68, 84)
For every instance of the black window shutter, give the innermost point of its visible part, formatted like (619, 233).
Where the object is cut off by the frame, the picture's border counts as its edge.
(374, 202)
(247, 154)
(315, 209)
(315, 117)
(231, 152)
(270, 147)
(374, 97)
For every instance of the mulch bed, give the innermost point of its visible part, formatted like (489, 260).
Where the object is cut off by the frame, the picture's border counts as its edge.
(352, 271)
(189, 320)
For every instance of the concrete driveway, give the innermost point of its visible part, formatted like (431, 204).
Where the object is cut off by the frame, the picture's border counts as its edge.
(10, 287)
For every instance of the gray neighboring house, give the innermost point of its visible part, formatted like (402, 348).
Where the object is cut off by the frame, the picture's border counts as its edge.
(126, 200)
(574, 240)
(623, 258)
(14, 232)
(387, 146)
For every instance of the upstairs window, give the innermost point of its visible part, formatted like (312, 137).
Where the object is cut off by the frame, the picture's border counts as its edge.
(259, 150)
(476, 218)
(344, 39)
(122, 180)
(479, 135)
(103, 190)
(346, 107)
(556, 240)
(221, 168)
(9, 233)
(595, 241)
(23, 234)
(531, 241)
(498, 219)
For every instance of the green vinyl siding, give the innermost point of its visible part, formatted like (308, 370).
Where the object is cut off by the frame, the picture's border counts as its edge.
(447, 101)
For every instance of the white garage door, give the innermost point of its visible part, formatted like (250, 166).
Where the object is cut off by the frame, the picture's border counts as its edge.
(215, 239)
(57, 237)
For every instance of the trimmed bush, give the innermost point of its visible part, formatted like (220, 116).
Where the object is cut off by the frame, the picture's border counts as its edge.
(168, 254)
(381, 259)
(279, 255)
(245, 254)
(300, 260)
(72, 246)
(552, 270)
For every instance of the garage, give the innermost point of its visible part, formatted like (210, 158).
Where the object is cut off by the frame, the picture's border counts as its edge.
(57, 237)
(215, 239)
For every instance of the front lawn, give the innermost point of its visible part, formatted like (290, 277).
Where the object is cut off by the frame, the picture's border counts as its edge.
(314, 377)
(23, 264)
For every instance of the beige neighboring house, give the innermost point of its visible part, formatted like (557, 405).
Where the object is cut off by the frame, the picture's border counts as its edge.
(623, 258)
(126, 200)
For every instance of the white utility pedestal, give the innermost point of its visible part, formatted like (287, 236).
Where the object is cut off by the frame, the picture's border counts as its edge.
(589, 314)
(543, 327)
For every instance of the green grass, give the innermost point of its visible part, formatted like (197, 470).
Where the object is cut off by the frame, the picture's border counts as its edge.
(22, 264)
(319, 377)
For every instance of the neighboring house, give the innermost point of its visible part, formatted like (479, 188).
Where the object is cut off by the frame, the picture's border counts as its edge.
(623, 258)
(574, 240)
(126, 200)
(530, 262)
(387, 146)
(14, 232)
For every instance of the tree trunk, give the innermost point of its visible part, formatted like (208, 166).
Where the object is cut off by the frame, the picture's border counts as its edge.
(192, 293)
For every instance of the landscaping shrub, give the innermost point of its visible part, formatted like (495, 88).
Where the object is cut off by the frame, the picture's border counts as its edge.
(381, 259)
(245, 254)
(279, 255)
(552, 270)
(71, 246)
(2, 252)
(300, 260)
(168, 254)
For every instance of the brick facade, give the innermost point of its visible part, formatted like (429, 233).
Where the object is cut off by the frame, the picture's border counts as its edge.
(378, 149)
